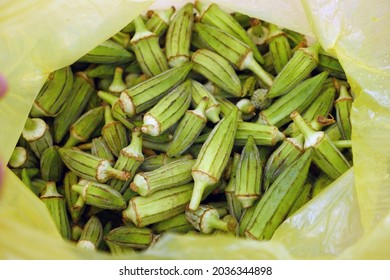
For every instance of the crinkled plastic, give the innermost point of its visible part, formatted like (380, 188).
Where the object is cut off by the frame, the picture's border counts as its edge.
(349, 220)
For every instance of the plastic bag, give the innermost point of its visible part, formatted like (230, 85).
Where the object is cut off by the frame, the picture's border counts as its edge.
(350, 219)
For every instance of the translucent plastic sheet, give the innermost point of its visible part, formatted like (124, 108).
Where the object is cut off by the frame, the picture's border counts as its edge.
(350, 219)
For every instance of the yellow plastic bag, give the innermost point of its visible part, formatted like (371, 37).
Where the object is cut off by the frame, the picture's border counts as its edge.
(350, 219)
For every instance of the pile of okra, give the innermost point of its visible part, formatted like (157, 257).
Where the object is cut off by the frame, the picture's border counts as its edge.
(187, 121)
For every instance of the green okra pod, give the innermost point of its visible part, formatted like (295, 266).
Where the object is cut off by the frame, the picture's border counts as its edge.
(272, 209)
(147, 49)
(53, 93)
(56, 205)
(82, 89)
(129, 160)
(170, 175)
(234, 50)
(159, 20)
(22, 158)
(146, 94)
(129, 237)
(298, 99)
(189, 128)
(343, 106)
(206, 220)
(249, 174)
(84, 126)
(161, 205)
(91, 235)
(52, 167)
(281, 158)
(298, 68)
(326, 156)
(107, 52)
(215, 16)
(99, 195)
(213, 156)
(114, 132)
(168, 110)
(218, 70)
(90, 167)
(178, 38)
(279, 47)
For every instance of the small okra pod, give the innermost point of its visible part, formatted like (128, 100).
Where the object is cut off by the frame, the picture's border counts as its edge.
(56, 205)
(114, 132)
(260, 99)
(91, 235)
(156, 161)
(147, 49)
(265, 135)
(248, 86)
(343, 106)
(37, 133)
(26, 179)
(170, 175)
(321, 106)
(326, 62)
(341, 144)
(333, 132)
(23, 158)
(99, 148)
(159, 20)
(273, 207)
(99, 195)
(90, 167)
(281, 158)
(82, 129)
(123, 39)
(107, 52)
(249, 174)
(215, 16)
(116, 110)
(168, 110)
(189, 128)
(146, 94)
(246, 216)
(326, 156)
(246, 106)
(234, 50)
(53, 93)
(178, 38)
(129, 237)
(218, 70)
(52, 167)
(76, 231)
(159, 206)
(82, 89)
(102, 71)
(213, 156)
(320, 184)
(178, 224)
(206, 220)
(155, 146)
(129, 160)
(234, 205)
(303, 197)
(298, 99)
(198, 91)
(117, 85)
(279, 47)
(71, 196)
(298, 68)
(294, 38)
(134, 79)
